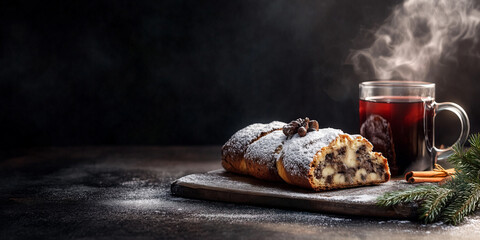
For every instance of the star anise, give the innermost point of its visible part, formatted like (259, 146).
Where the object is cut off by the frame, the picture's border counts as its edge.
(300, 126)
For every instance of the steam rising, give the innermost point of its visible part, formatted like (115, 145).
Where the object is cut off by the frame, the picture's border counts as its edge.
(420, 35)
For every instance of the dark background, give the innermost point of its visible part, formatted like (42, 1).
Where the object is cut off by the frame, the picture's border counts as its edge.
(186, 72)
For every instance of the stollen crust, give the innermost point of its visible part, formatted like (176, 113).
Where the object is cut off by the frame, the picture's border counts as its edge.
(261, 156)
(233, 150)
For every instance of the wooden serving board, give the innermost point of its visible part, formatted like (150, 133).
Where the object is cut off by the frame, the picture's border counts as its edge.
(220, 185)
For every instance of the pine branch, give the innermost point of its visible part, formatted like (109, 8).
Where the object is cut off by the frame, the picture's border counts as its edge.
(435, 203)
(474, 141)
(454, 200)
(405, 196)
(468, 162)
(467, 201)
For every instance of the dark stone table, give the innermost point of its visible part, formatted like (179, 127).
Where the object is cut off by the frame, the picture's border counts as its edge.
(124, 192)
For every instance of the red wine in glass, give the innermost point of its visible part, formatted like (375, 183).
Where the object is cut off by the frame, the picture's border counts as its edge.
(399, 127)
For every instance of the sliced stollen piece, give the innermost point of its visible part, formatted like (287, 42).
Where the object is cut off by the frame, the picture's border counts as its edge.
(330, 159)
(261, 156)
(234, 149)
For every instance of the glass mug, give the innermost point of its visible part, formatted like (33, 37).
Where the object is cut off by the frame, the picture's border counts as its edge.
(398, 119)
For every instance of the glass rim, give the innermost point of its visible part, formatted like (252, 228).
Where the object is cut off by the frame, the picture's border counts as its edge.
(397, 84)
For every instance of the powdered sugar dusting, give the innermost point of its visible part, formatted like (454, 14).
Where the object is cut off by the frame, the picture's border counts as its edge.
(299, 151)
(239, 142)
(356, 198)
(263, 150)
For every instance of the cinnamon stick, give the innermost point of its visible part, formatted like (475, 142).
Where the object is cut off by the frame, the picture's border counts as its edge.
(425, 179)
(430, 174)
(446, 179)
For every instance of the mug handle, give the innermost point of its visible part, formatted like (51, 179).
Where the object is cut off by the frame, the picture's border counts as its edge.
(443, 154)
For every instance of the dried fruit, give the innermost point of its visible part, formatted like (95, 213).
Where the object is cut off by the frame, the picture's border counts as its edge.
(378, 131)
(313, 125)
(302, 131)
(301, 126)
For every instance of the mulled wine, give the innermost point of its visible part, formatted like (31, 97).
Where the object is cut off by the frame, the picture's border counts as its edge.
(400, 127)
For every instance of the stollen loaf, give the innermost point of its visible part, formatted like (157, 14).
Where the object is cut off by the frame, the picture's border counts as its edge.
(309, 157)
